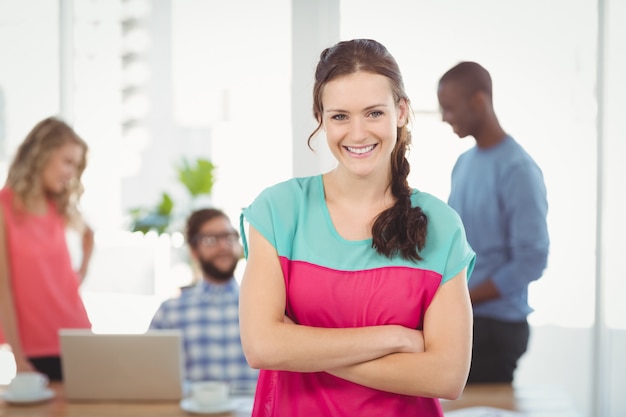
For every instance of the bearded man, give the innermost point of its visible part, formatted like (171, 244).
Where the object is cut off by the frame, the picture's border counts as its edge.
(207, 312)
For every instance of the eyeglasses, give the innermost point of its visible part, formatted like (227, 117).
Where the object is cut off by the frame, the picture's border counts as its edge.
(211, 240)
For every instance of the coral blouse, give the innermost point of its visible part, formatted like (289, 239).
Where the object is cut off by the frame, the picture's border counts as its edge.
(44, 284)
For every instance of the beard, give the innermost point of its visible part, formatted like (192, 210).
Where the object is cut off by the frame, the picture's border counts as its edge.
(216, 274)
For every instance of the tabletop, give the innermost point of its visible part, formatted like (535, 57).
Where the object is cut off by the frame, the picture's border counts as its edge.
(541, 400)
(530, 401)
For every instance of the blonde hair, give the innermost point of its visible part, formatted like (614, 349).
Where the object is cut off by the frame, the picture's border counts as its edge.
(33, 154)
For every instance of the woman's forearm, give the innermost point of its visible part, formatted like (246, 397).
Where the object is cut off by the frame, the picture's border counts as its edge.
(87, 244)
(418, 374)
(8, 322)
(8, 316)
(308, 349)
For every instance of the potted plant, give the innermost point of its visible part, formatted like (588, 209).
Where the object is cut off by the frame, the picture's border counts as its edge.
(196, 177)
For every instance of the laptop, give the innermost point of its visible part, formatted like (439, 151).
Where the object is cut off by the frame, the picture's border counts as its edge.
(118, 367)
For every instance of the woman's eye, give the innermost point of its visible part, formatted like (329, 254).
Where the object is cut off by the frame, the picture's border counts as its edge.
(339, 117)
(376, 113)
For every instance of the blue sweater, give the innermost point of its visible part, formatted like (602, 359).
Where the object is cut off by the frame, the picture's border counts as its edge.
(500, 195)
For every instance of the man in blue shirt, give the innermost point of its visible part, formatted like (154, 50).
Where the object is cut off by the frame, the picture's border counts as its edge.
(208, 312)
(499, 192)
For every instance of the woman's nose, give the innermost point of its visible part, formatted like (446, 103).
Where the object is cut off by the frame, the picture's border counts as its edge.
(358, 129)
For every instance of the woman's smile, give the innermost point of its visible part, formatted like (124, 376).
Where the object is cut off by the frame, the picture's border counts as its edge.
(360, 150)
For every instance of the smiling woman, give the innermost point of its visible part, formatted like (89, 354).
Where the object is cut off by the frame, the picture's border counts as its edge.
(361, 118)
(354, 299)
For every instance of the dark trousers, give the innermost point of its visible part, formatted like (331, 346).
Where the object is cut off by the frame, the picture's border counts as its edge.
(49, 366)
(497, 347)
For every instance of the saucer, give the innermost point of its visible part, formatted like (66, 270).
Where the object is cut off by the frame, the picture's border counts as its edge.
(44, 395)
(191, 406)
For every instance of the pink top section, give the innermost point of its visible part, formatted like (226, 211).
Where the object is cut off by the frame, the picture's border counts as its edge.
(45, 286)
(323, 297)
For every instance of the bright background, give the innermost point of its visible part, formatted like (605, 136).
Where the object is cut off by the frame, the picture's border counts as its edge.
(146, 82)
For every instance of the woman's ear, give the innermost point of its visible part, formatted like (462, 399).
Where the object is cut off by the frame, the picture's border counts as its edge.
(322, 124)
(403, 112)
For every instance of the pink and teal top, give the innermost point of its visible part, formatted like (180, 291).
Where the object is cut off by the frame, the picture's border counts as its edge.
(337, 283)
(44, 284)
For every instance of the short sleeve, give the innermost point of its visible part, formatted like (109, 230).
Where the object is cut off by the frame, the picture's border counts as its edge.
(460, 255)
(447, 249)
(258, 214)
(273, 213)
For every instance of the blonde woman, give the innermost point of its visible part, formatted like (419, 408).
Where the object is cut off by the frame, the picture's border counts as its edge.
(39, 289)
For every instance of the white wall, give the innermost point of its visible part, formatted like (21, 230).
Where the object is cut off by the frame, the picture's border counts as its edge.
(543, 60)
(611, 335)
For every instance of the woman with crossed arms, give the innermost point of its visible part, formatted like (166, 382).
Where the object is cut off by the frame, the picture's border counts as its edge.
(354, 300)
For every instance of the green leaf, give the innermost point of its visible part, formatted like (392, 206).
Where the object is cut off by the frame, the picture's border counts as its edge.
(198, 178)
(158, 218)
(166, 205)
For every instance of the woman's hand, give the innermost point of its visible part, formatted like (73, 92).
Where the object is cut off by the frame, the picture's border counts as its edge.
(82, 272)
(414, 340)
(23, 365)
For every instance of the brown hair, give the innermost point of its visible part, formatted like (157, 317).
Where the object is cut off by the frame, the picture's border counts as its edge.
(33, 154)
(197, 219)
(401, 228)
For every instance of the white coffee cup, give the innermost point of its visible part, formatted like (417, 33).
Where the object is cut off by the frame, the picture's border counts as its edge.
(208, 393)
(27, 383)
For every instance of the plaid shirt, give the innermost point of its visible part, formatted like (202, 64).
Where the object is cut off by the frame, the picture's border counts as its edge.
(208, 315)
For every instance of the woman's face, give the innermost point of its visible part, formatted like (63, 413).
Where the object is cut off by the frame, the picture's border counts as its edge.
(62, 167)
(361, 118)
